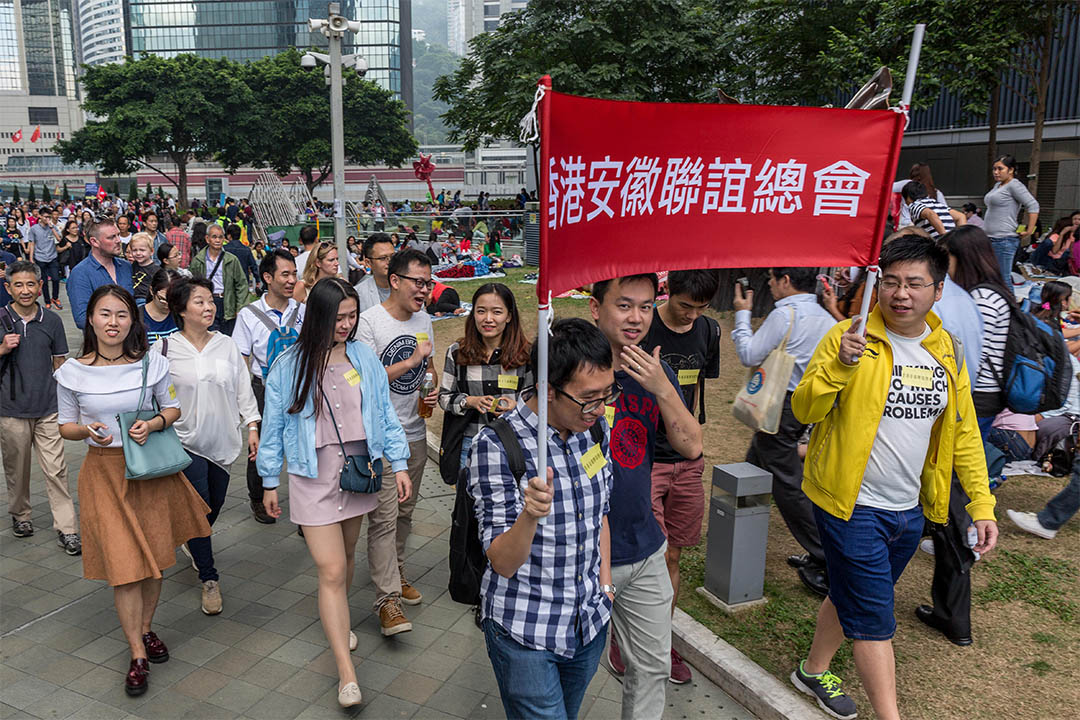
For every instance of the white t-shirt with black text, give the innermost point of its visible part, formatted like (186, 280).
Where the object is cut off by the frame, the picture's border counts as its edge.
(918, 394)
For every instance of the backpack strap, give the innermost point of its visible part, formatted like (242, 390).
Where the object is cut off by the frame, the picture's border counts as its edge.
(596, 433)
(292, 318)
(267, 320)
(165, 346)
(515, 456)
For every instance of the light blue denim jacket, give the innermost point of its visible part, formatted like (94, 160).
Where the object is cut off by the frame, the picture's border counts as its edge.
(291, 436)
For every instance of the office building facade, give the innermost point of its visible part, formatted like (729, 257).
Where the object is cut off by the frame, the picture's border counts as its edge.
(101, 36)
(251, 29)
(465, 19)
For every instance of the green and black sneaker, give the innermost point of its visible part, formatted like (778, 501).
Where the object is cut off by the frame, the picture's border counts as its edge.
(826, 688)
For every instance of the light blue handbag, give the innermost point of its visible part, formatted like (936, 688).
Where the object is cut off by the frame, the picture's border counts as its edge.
(161, 454)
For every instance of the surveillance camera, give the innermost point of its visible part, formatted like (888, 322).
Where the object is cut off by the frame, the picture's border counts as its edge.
(307, 60)
(361, 66)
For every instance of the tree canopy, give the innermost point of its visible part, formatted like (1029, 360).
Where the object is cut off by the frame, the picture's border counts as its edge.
(292, 108)
(431, 61)
(185, 108)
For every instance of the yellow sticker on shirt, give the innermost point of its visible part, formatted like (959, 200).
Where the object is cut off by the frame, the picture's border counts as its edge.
(688, 377)
(421, 337)
(609, 415)
(509, 382)
(917, 377)
(172, 391)
(352, 377)
(593, 461)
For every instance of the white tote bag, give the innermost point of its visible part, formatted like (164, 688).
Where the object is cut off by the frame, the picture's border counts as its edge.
(760, 402)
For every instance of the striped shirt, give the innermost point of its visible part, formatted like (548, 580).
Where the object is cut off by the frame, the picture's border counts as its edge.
(938, 208)
(479, 380)
(996, 315)
(554, 598)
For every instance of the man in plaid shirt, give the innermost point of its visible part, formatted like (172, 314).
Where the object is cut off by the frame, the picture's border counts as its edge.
(546, 594)
(180, 240)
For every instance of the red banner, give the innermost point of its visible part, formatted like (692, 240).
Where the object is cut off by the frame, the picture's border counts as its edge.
(632, 187)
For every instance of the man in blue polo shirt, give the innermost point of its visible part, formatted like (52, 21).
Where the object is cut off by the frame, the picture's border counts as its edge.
(101, 267)
(641, 617)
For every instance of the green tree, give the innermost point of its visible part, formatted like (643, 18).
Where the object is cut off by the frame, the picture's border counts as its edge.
(15, 195)
(66, 196)
(659, 50)
(160, 192)
(133, 191)
(116, 188)
(46, 196)
(292, 106)
(430, 16)
(431, 61)
(184, 108)
(149, 190)
(32, 196)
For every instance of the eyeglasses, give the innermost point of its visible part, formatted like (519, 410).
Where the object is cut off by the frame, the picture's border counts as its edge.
(894, 285)
(592, 406)
(421, 284)
(381, 258)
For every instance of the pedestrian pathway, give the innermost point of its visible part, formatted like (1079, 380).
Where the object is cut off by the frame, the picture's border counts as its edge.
(62, 654)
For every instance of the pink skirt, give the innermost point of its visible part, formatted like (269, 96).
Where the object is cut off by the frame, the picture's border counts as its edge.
(321, 501)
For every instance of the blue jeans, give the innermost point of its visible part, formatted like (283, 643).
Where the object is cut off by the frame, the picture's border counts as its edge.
(1005, 250)
(864, 557)
(211, 481)
(50, 270)
(1011, 443)
(538, 683)
(1065, 504)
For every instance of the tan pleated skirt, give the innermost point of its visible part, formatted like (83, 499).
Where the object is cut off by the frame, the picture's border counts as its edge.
(131, 528)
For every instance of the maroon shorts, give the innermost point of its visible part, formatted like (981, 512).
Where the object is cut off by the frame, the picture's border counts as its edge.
(678, 500)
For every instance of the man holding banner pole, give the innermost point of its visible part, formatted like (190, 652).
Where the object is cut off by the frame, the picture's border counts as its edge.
(641, 615)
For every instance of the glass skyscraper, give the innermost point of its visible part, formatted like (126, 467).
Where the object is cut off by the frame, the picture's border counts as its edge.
(40, 34)
(251, 29)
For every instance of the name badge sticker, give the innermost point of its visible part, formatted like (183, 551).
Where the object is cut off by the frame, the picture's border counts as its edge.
(172, 391)
(421, 337)
(593, 461)
(352, 377)
(509, 382)
(609, 415)
(688, 377)
(917, 377)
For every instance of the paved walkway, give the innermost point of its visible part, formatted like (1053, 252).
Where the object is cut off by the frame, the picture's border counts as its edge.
(62, 654)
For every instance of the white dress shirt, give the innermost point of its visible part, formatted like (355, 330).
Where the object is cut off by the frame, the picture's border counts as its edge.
(214, 390)
(811, 323)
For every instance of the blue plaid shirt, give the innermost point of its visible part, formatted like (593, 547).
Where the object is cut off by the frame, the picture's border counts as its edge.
(554, 601)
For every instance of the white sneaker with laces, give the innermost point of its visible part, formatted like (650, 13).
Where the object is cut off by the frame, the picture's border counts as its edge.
(1030, 522)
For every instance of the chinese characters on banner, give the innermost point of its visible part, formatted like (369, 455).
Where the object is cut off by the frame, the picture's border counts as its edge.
(635, 187)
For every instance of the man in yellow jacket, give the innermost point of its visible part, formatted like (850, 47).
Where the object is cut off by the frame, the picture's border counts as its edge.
(893, 419)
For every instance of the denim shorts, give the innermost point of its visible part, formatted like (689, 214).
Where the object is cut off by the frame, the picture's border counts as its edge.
(864, 557)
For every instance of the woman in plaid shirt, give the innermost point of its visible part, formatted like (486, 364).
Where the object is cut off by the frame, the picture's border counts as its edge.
(490, 364)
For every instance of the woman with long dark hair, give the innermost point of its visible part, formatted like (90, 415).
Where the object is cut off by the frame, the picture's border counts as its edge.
(1003, 203)
(198, 237)
(974, 267)
(487, 369)
(130, 529)
(328, 399)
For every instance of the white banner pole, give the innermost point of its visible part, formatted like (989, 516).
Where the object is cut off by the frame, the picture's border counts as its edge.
(905, 105)
(543, 318)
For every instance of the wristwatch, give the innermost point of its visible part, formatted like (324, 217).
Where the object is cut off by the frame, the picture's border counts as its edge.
(607, 589)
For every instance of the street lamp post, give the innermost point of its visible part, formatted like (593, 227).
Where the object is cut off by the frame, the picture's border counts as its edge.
(334, 28)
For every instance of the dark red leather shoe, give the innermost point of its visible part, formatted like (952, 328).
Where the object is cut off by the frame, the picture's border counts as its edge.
(138, 677)
(155, 649)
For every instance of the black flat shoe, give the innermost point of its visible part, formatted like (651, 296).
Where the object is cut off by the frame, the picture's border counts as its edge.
(798, 561)
(925, 613)
(815, 579)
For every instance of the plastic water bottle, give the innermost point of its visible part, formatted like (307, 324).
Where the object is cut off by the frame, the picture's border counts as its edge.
(425, 390)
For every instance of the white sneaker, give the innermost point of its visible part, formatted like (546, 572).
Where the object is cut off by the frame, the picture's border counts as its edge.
(183, 549)
(927, 546)
(1030, 522)
(349, 695)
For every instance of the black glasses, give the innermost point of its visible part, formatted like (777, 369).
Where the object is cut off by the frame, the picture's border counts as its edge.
(592, 406)
(421, 283)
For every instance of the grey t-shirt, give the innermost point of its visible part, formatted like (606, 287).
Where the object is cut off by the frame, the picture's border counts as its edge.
(29, 367)
(394, 341)
(44, 242)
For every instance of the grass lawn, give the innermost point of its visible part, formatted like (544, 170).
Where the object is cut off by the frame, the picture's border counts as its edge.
(1025, 662)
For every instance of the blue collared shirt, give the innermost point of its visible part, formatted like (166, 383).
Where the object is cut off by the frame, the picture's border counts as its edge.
(961, 317)
(88, 276)
(811, 323)
(555, 594)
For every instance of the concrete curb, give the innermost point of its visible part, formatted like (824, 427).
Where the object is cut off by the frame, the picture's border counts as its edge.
(737, 675)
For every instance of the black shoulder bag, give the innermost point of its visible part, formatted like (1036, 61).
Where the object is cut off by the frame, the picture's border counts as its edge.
(453, 435)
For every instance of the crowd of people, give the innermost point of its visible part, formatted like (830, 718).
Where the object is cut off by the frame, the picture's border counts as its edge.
(194, 335)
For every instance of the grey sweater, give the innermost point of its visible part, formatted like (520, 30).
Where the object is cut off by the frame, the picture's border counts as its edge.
(1003, 205)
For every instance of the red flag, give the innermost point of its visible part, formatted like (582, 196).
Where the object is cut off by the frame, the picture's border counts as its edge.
(101, 192)
(632, 187)
(17, 136)
(36, 134)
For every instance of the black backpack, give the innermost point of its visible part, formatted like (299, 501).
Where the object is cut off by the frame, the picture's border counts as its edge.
(467, 558)
(1037, 371)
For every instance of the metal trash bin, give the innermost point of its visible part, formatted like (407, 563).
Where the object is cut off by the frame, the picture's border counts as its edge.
(738, 533)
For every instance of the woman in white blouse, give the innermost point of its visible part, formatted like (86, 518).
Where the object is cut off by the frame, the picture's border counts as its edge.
(214, 388)
(131, 529)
